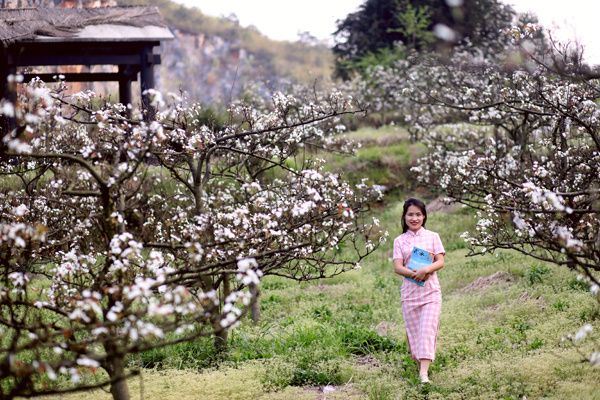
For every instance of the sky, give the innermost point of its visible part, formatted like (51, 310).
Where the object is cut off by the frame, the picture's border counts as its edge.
(574, 20)
(284, 19)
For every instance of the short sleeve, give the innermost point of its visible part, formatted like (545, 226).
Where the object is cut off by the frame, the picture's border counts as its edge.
(438, 247)
(398, 250)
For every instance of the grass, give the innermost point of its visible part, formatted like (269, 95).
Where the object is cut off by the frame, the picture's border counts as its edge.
(385, 158)
(498, 340)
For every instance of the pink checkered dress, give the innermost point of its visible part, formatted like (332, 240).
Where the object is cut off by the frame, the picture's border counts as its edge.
(421, 305)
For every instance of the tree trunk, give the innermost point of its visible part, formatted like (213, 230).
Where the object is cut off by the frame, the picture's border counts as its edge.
(255, 305)
(220, 333)
(116, 371)
(220, 341)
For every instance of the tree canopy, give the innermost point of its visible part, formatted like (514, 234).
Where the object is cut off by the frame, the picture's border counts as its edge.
(380, 25)
(119, 236)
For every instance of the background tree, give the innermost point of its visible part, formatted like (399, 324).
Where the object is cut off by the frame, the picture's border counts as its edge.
(381, 24)
(414, 26)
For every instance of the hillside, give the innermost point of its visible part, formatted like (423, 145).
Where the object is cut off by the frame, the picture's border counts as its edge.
(215, 58)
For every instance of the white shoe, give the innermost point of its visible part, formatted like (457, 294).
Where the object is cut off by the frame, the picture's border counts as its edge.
(424, 379)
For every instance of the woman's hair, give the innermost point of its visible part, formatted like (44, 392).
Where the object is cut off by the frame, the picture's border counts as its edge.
(417, 203)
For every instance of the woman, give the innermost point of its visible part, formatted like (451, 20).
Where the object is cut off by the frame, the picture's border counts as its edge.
(421, 305)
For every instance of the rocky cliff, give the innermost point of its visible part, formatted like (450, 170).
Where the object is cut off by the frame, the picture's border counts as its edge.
(214, 59)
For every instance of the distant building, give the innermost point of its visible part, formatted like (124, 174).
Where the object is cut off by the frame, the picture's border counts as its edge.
(125, 37)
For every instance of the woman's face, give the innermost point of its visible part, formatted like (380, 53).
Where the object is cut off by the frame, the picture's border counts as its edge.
(414, 218)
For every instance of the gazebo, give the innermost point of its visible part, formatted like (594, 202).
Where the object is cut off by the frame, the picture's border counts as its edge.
(125, 37)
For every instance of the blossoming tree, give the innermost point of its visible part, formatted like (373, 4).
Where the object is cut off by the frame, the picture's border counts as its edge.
(118, 235)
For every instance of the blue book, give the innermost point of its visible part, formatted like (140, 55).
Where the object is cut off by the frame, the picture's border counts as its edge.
(419, 258)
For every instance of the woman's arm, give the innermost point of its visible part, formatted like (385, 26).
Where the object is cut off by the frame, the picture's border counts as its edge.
(400, 269)
(423, 273)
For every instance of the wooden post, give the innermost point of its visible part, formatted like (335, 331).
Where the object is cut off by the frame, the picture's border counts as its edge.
(147, 81)
(3, 74)
(125, 78)
(5, 124)
(7, 90)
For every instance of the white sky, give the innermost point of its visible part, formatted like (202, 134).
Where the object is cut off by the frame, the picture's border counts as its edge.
(284, 19)
(574, 20)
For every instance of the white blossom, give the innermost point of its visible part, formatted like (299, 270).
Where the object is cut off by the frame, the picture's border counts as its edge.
(583, 332)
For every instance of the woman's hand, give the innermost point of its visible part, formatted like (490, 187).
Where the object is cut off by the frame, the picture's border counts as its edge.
(420, 275)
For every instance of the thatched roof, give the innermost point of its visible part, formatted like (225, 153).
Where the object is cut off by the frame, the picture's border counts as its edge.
(24, 24)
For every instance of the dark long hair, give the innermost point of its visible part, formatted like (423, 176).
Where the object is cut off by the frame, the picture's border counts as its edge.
(417, 203)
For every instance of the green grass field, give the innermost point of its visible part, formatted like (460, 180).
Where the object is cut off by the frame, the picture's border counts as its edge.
(503, 319)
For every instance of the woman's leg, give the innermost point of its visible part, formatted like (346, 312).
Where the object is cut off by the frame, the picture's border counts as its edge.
(428, 329)
(424, 369)
(411, 316)
(429, 320)
(422, 322)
